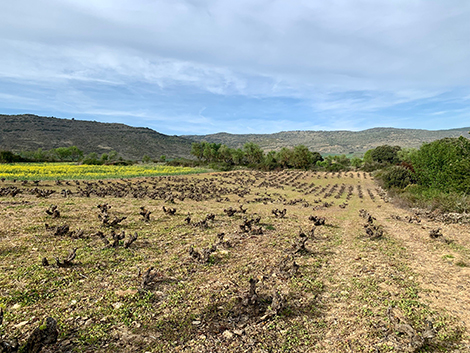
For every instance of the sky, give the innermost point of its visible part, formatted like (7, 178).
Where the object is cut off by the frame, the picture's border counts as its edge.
(247, 66)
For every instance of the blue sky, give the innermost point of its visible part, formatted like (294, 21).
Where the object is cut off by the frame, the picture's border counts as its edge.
(245, 66)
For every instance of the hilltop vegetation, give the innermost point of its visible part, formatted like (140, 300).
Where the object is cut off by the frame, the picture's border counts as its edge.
(30, 133)
(333, 142)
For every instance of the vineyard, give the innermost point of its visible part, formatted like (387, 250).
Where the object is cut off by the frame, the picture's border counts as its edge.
(243, 261)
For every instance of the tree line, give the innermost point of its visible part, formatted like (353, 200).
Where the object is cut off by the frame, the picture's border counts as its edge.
(442, 165)
(62, 154)
(252, 156)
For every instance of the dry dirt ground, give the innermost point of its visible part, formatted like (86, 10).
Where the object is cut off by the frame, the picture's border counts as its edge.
(242, 261)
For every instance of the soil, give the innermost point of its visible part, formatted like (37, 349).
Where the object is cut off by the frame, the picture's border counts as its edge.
(259, 287)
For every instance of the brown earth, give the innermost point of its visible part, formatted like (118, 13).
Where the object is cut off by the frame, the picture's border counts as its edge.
(341, 290)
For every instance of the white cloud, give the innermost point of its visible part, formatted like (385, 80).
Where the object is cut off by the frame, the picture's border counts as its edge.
(335, 56)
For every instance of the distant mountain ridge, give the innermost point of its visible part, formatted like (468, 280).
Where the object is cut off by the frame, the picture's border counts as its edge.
(30, 132)
(334, 142)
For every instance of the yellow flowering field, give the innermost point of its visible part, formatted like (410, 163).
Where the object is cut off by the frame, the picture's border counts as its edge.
(51, 171)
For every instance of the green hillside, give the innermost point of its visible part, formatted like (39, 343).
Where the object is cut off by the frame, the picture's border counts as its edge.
(30, 132)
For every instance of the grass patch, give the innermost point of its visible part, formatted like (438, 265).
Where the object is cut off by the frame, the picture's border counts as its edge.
(69, 171)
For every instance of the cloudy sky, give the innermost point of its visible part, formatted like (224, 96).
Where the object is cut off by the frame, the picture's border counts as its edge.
(245, 66)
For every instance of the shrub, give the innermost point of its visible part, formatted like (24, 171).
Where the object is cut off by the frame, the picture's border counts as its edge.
(444, 165)
(397, 177)
(386, 154)
(9, 157)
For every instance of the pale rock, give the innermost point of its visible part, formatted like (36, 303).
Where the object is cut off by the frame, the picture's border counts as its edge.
(227, 334)
(21, 324)
(118, 305)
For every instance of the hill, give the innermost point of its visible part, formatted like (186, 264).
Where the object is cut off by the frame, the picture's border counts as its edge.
(334, 142)
(30, 132)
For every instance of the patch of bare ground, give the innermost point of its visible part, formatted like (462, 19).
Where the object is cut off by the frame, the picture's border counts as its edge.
(244, 261)
(442, 263)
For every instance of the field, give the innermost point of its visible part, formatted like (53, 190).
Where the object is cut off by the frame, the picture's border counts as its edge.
(241, 261)
(54, 171)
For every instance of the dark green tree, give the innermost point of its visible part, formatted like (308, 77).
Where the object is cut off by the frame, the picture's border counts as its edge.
(444, 164)
(113, 155)
(270, 162)
(197, 149)
(238, 156)
(386, 154)
(397, 177)
(356, 162)
(285, 157)
(253, 153)
(225, 154)
(9, 157)
(67, 154)
(211, 151)
(302, 158)
(316, 156)
(335, 163)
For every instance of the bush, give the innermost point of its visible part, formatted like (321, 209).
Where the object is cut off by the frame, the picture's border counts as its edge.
(371, 166)
(385, 154)
(418, 196)
(397, 177)
(444, 165)
(92, 159)
(9, 157)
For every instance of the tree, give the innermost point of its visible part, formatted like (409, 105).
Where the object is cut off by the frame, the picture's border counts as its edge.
(40, 155)
(316, 156)
(406, 154)
(284, 157)
(225, 154)
(356, 162)
(238, 156)
(270, 161)
(197, 149)
(67, 154)
(112, 155)
(104, 157)
(335, 163)
(302, 157)
(368, 156)
(444, 164)
(91, 158)
(397, 176)
(211, 151)
(386, 154)
(9, 157)
(253, 153)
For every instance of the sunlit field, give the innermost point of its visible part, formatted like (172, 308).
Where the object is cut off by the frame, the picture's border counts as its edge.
(51, 171)
(241, 261)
